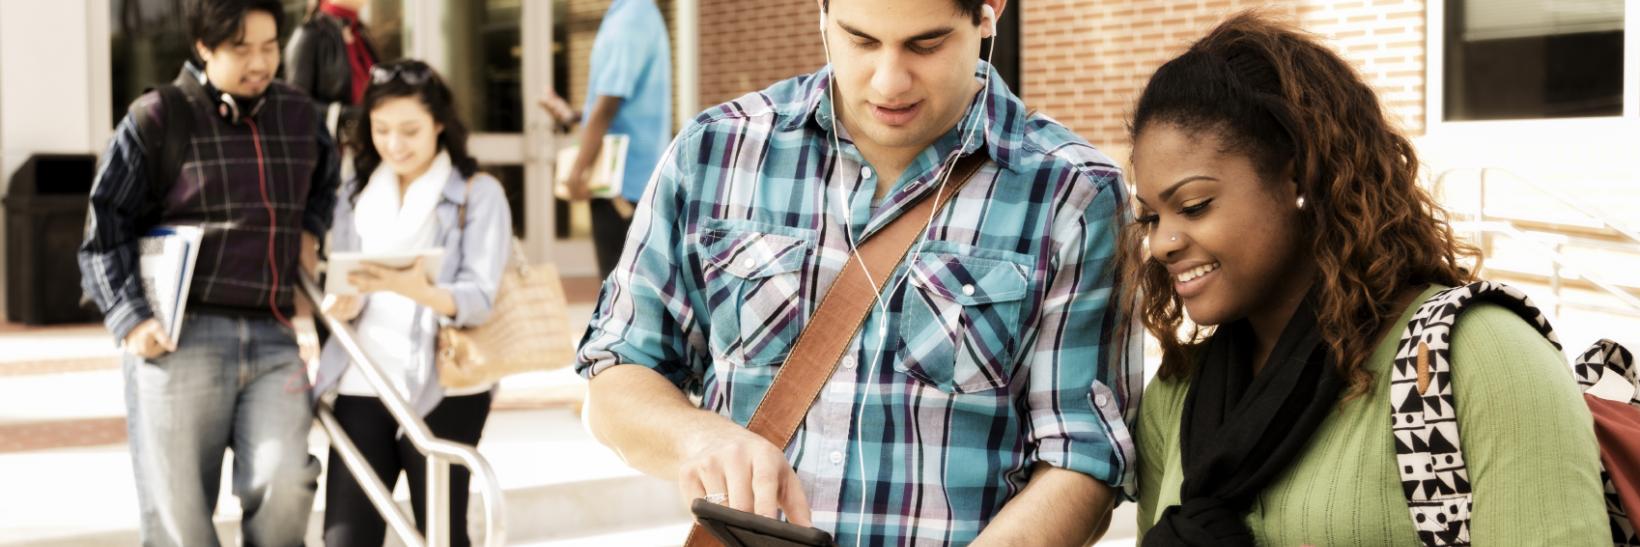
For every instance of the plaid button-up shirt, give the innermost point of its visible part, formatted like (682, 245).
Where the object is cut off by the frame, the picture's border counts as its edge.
(997, 345)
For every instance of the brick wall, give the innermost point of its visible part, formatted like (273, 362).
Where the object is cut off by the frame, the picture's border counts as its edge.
(1385, 39)
(745, 45)
(1086, 62)
(1083, 62)
(581, 22)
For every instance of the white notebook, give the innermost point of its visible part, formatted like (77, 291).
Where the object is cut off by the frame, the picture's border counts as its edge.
(167, 255)
(604, 179)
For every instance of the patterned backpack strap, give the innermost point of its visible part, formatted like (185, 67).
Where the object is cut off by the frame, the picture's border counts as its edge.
(1602, 358)
(1428, 452)
(1607, 357)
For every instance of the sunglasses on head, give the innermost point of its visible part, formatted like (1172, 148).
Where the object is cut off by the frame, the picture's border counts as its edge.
(410, 74)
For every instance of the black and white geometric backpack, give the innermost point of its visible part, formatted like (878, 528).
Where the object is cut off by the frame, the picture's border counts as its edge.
(1428, 451)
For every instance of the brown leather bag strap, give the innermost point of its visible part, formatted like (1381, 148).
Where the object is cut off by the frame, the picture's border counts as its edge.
(844, 308)
(461, 210)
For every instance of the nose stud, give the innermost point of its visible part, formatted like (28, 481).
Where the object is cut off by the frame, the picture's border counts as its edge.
(1174, 237)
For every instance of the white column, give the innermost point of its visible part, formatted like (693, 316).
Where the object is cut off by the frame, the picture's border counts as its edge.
(687, 75)
(1631, 60)
(540, 141)
(47, 82)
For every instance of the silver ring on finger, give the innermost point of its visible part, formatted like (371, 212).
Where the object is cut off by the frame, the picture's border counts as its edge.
(716, 497)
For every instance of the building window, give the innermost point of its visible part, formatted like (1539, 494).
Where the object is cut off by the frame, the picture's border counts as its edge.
(1533, 59)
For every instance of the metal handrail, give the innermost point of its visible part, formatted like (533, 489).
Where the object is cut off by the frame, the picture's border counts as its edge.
(1564, 198)
(440, 453)
(1560, 259)
(1484, 227)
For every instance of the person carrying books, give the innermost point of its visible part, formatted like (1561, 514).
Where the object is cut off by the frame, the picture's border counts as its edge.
(256, 170)
(629, 92)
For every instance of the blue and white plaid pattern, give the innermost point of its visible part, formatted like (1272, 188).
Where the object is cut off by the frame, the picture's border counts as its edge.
(1001, 348)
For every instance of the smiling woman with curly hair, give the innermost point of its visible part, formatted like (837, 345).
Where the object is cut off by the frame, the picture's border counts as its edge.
(1279, 210)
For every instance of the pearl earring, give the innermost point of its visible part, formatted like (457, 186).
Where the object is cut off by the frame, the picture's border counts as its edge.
(1300, 202)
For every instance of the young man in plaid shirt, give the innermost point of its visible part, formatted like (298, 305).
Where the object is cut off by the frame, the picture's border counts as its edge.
(258, 173)
(984, 398)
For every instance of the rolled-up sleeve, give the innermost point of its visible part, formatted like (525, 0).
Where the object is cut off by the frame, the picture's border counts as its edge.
(1082, 367)
(644, 316)
(486, 244)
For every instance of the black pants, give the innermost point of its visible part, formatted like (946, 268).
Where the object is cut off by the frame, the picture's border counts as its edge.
(608, 235)
(350, 519)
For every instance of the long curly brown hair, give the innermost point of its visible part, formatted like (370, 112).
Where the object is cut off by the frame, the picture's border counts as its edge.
(1292, 105)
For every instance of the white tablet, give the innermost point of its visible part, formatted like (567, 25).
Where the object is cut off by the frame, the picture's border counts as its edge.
(341, 264)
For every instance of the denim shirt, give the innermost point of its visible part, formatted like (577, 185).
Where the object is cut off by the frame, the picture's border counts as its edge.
(474, 259)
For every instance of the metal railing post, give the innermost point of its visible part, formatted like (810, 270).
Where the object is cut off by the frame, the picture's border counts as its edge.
(380, 495)
(1480, 214)
(438, 503)
(1562, 267)
(1554, 279)
(440, 453)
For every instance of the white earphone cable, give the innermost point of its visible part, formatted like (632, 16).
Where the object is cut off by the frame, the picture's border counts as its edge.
(848, 231)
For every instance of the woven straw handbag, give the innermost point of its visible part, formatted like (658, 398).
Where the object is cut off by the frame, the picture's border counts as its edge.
(527, 329)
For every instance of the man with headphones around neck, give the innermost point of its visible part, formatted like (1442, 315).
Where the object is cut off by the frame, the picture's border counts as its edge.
(982, 400)
(257, 172)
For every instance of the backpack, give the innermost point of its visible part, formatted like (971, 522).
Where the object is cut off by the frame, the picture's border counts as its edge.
(1429, 454)
(164, 142)
(163, 145)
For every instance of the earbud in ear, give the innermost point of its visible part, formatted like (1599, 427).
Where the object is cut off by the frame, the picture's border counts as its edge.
(822, 22)
(988, 21)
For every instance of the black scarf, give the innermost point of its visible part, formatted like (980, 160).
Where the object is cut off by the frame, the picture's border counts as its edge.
(1240, 431)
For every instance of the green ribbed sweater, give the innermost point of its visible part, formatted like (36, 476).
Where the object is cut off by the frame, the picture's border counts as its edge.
(1526, 432)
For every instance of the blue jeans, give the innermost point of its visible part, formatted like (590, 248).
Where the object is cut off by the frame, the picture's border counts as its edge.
(232, 383)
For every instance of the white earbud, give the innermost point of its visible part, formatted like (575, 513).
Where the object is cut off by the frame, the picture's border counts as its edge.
(987, 30)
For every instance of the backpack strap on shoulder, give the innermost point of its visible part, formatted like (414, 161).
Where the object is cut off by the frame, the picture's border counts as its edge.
(1607, 357)
(165, 144)
(1428, 450)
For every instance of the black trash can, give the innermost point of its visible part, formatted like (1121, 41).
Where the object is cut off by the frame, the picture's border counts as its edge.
(45, 222)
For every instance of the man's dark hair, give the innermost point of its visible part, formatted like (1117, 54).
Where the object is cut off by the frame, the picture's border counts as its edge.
(215, 22)
(971, 8)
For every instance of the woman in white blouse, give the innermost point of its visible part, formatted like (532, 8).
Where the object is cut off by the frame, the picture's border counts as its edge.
(417, 177)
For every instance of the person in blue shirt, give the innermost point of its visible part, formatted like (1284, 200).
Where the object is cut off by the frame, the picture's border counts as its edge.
(629, 92)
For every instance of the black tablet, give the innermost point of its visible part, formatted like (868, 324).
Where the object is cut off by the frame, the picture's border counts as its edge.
(742, 529)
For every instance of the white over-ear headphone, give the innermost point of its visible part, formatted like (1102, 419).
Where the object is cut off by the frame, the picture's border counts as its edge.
(988, 29)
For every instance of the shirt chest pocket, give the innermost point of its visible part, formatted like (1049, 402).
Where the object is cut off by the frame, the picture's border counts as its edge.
(754, 288)
(960, 322)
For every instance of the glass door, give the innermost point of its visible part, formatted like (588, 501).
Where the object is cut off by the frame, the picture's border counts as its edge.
(497, 56)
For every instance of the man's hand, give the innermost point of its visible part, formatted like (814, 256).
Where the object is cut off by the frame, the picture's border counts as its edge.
(602, 115)
(576, 186)
(558, 108)
(148, 340)
(747, 471)
(307, 335)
